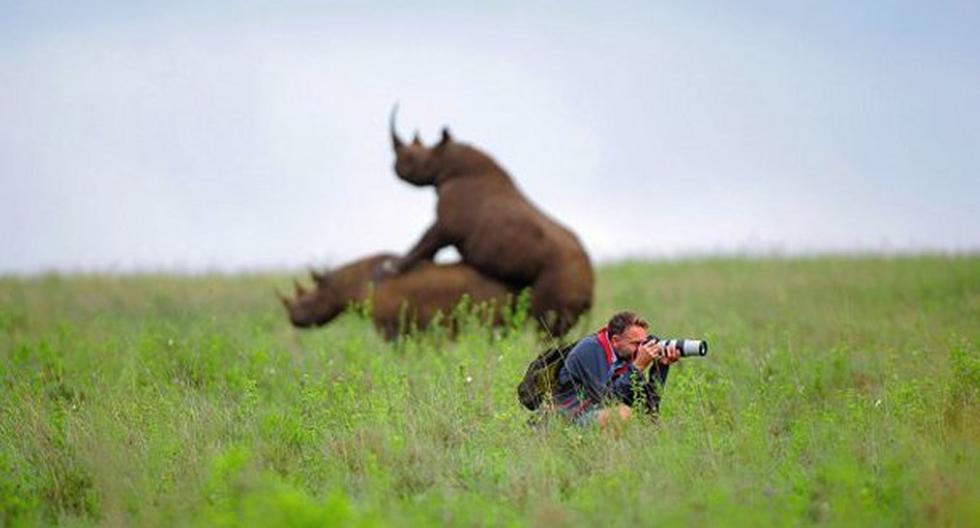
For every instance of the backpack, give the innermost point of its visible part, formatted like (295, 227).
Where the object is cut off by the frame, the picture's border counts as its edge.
(542, 376)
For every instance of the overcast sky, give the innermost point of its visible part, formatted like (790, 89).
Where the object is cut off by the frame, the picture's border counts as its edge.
(249, 135)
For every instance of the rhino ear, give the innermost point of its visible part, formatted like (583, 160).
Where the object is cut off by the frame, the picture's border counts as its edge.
(446, 138)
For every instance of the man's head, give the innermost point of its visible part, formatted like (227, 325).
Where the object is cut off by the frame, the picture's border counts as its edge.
(627, 331)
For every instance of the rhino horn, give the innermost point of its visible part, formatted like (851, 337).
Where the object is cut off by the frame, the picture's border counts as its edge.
(299, 288)
(417, 140)
(395, 141)
(284, 300)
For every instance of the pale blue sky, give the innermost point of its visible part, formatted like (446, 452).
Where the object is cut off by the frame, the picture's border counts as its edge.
(252, 135)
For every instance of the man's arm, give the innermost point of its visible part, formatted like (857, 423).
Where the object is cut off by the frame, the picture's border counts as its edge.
(659, 362)
(658, 373)
(622, 386)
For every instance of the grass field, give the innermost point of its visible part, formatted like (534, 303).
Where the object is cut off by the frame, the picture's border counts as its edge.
(837, 390)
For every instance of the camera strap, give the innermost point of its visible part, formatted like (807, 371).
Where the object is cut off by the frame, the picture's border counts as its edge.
(603, 336)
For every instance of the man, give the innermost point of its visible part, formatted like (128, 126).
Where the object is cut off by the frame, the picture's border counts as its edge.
(603, 373)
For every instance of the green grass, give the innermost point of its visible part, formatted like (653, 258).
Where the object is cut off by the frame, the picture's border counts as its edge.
(837, 390)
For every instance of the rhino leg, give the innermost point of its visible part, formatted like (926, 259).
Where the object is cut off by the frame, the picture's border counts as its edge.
(425, 249)
(557, 300)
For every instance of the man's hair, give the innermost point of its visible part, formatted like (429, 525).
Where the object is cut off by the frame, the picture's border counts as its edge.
(623, 320)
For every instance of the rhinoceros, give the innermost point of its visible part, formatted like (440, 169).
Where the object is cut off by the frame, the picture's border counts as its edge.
(410, 300)
(495, 228)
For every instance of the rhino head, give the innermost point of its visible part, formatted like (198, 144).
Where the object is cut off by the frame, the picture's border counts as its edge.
(314, 307)
(417, 164)
(335, 291)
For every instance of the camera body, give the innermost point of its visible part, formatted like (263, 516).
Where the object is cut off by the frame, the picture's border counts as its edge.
(687, 347)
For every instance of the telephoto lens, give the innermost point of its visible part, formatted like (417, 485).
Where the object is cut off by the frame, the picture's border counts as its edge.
(687, 347)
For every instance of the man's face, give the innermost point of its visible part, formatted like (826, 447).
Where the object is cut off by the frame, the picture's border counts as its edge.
(627, 343)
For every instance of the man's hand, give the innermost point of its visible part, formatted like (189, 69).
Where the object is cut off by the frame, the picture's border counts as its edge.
(670, 355)
(652, 350)
(646, 354)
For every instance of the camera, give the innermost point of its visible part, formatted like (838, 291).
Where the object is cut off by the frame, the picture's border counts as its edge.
(687, 347)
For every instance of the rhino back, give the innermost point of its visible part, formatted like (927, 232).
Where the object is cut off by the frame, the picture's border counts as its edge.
(430, 288)
(498, 230)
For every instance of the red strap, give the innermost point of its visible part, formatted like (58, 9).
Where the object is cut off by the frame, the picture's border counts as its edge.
(603, 337)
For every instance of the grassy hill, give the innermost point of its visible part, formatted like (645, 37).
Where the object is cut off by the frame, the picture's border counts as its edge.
(840, 390)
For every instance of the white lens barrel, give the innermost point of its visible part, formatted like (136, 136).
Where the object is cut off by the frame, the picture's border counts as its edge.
(690, 347)
(687, 347)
